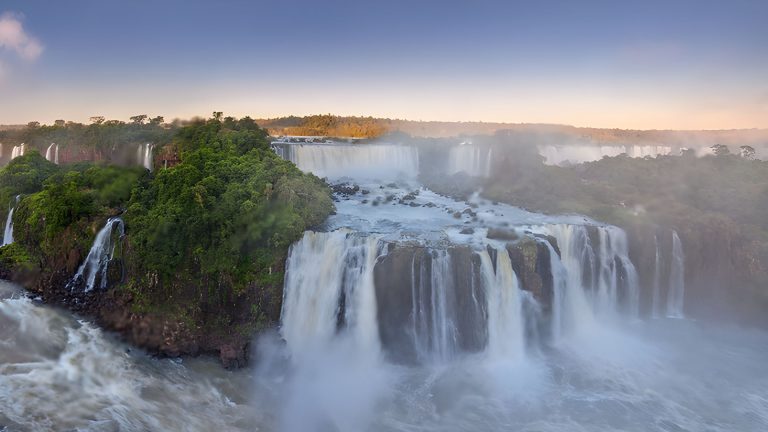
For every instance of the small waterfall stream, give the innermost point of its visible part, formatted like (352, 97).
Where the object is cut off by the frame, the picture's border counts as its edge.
(52, 153)
(92, 273)
(8, 233)
(676, 294)
(18, 151)
(144, 155)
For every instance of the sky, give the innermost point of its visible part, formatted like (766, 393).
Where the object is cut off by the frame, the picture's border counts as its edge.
(672, 64)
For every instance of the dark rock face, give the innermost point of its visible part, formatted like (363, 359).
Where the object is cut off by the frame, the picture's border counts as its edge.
(405, 281)
(530, 260)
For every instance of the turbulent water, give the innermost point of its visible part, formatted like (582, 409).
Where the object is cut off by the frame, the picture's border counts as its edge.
(401, 314)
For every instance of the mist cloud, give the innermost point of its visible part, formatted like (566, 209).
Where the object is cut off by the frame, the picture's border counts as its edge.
(14, 38)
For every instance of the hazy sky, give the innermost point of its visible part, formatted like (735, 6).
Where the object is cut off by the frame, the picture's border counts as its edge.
(631, 64)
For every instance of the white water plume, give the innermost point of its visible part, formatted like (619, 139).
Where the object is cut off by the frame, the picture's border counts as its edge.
(102, 252)
(144, 155)
(506, 320)
(52, 153)
(8, 233)
(676, 279)
(18, 151)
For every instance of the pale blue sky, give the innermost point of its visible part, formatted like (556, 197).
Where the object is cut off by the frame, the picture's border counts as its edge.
(646, 64)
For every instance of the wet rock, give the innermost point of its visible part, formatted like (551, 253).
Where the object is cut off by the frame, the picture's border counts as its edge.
(467, 231)
(345, 189)
(502, 234)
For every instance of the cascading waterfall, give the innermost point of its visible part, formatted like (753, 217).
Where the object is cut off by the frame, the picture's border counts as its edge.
(329, 287)
(586, 283)
(102, 252)
(8, 234)
(353, 160)
(506, 319)
(676, 279)
(18, 151)
(433, 301)
(471, 159)
(144, 155)
(52, 153)
(570, 308)
(616, 268)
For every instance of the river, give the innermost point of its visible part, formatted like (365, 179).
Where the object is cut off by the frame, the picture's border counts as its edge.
(401, 314)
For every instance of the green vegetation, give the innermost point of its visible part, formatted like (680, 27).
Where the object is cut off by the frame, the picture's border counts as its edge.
(100, 135)
(228, 210)
(665, 189)
(206, 239)
(327, 125)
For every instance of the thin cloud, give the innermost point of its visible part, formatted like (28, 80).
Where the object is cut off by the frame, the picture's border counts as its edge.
(14, 38)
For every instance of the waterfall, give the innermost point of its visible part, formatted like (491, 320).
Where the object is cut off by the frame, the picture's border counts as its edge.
(615, 268)
(352, 160)
(580, 153)
(18, 151)
(433, 301)
(144, 155)
(52, 153)
(470, 159)
(8, 235)
(329, 287)
(506, 320)
(676, 279)
(590, 280)
(656, 299)
(571, 309)
(102, 252)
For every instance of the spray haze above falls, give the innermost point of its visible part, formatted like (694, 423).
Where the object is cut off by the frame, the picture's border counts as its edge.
(407, 310)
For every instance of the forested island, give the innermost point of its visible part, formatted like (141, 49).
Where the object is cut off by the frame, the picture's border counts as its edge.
(200, 267)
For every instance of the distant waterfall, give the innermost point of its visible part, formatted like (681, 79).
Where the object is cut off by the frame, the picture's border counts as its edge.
(52, 153)
(329, 287)
(102, 252)
(8, 234)
(676, 293)
(506, 319)
(367, 161)
(18, 151)
(144, 155)
(471, 159)
(580, 153)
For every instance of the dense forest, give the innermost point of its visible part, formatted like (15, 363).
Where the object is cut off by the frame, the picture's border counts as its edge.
(205, 240)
